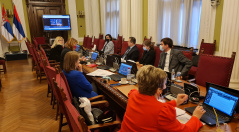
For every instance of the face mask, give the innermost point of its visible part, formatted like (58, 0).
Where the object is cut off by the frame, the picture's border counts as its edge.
(144, 48)
(77, 47)
(107, 40)
(161, 48)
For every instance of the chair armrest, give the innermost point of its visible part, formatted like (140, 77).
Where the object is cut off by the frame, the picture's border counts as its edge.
(103, 103)
(98, 126)
(192, 80)
(99, 97)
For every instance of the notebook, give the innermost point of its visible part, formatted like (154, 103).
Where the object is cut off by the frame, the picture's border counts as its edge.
(222, 100)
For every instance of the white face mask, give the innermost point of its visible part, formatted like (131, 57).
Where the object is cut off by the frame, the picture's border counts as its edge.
(161, 48)
(144, 48)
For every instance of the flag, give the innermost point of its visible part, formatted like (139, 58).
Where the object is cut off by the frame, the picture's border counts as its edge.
(17, 27)
(6, 27)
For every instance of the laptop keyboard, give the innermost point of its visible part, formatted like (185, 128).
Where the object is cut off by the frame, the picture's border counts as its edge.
(210, 113)
(116, 77)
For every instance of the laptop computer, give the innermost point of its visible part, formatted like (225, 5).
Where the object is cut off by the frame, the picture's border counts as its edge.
(224, 102)
(134, 67)
(109, 63)
(174, 91)
(94, 56)
(228, 89)
(122, 72)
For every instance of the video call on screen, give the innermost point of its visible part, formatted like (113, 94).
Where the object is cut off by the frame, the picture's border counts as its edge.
(56, 23)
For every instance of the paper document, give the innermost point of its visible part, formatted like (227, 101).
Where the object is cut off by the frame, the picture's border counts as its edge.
(179, 111)
(100, 73)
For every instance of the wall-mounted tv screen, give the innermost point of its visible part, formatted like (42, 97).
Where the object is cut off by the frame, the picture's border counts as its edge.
(56, 22)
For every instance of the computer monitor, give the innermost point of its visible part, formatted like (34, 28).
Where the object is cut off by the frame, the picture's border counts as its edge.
(221, 100)
(94, 56)
(109, 60)
(123, 68)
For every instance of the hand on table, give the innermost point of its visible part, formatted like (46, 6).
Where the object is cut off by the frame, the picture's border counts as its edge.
(198, 112)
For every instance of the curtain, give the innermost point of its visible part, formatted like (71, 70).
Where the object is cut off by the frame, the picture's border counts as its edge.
(229, 37)
(92, 19)
(125, 19)
(179, 20)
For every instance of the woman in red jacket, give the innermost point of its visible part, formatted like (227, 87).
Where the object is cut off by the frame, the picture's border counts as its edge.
(144, 113)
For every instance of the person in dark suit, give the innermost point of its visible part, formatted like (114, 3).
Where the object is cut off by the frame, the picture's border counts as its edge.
(56, 48)
(132, 52)
(173, 59)
(149, 53)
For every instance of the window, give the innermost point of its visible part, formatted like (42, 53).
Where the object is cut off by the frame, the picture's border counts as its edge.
(112, 18)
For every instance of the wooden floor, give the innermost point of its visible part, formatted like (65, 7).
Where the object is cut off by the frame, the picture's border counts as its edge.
(24, 105)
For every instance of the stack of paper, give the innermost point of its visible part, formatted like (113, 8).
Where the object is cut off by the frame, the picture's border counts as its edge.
(100, 73)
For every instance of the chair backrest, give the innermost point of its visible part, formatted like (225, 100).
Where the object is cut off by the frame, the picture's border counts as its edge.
(214, 69)
(62, 97)
(35, 43)
(124, 47)
(116, 42)
(96, 42)
(40, 40)
(51, 73)
(101, 36)
(89, 43)
(188, 54)
(77, 122)
(85, 40)
(101, 44)
(120, 39)
(141, 50)
(145, 38)
(207, 48)
(157, 55)
(62, 82)
(29, 46)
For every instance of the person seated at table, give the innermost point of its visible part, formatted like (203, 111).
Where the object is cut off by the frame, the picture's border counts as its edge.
(108, 46)
(79, 85)
(148, 55)
(56, 48)
(70, 45)
(173, 59)
(132, 52)
(144, 113)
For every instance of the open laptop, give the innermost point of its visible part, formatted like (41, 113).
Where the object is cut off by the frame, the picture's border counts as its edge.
(224, 102)
(134, 67)
(174, 91)
(109, 63)
(228, 89)
(122, 72)
(94, 56)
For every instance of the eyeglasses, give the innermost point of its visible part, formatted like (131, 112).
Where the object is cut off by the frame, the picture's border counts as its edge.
(60, 40)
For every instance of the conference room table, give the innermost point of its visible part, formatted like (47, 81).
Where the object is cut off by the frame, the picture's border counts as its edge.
(117, 96)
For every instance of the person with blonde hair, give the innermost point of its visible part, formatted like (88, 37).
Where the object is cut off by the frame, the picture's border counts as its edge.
(145, 113)
(70, 45)
(56, 48)
(79, 85)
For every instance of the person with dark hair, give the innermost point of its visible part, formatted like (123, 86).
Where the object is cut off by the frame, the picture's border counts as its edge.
(173, 59)
(149, 53)
(109, 45)
(132, 52)
(144, 111)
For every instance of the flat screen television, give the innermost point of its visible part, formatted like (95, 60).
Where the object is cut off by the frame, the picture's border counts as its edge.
(56, 22)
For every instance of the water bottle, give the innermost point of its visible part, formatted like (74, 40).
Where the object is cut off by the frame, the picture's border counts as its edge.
(173, 74)
(129, 75)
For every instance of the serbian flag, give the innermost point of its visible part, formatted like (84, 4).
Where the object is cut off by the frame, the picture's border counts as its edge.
(17, 27)
(6, 27)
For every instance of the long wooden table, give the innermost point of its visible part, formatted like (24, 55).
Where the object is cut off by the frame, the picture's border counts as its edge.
(120, 99)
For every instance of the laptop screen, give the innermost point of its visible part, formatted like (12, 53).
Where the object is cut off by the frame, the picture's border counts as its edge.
(94, 56)
(123, 68)
(221, 100)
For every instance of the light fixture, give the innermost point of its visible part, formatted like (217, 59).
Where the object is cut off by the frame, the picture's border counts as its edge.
(9, 13)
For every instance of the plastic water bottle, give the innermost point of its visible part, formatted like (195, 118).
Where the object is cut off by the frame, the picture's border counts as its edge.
(173, 74)
(129, 75)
